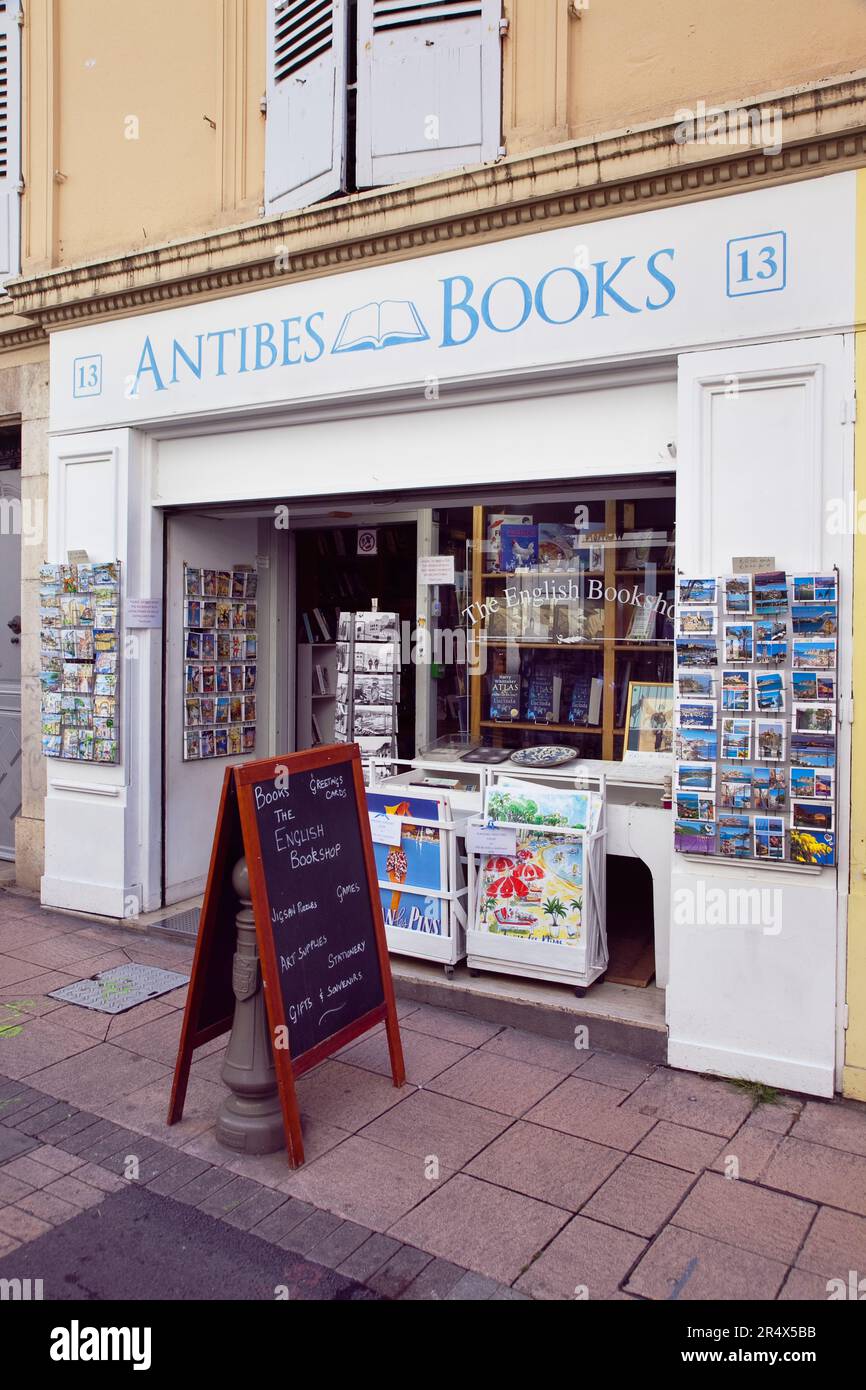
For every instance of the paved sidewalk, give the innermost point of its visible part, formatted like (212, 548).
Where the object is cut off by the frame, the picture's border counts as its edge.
(510, 1165)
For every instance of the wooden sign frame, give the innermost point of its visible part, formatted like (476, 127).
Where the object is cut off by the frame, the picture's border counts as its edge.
(237, 825)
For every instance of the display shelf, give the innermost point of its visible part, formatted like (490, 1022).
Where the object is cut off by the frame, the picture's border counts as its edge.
(515, 649)
(533, 727)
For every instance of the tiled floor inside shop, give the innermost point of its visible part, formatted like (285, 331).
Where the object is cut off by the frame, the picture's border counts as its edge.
(509, 1165)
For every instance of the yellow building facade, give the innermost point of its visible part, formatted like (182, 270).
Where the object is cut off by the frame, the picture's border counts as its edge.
(144, 185)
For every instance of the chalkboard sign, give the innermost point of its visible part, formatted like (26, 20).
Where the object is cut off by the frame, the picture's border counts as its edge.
(305, 833)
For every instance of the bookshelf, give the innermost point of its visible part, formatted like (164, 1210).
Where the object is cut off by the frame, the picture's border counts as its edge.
(311, 702)
(612, 653)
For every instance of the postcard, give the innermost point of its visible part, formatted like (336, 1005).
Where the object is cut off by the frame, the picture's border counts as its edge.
(695, 837)
(249, 739)
(701, 651)
(700, 620)
(770, 592)
(821, 718)
(700, 683)
(815, 619)
(514, 800)
(697, 591)
(813, 847)
(207, 743)
(769, 788)
(224, 588)
(696, 714)
(736, 740)
(208, 645)
(374, 657)
(804, 685)
(697, 745)
(769, 693)
(772, 630)
(377, 627)
(191, 744)
(770, 740)
(735, 837)
(771, 653)
(736, 690)
(736, 788)
(739, 641)
(738, 594)
(696, 776)
(815, 588)
(696, 805)
(235, 744)
(818, 653)
(812, 815)
(208, 583)
(374, 719)
(813, 750)
(221, 743)
(769, 837)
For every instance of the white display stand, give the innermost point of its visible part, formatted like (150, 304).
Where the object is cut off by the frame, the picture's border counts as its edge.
(575, 966)
(449, 948)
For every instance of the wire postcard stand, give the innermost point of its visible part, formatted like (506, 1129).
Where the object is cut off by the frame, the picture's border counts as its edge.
(449, 945)
(579, 964)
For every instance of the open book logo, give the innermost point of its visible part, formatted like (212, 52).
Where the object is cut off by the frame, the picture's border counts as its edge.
(379, 326)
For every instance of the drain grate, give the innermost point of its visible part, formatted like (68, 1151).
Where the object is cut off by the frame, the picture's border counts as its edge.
(115, 991)
(183, 923)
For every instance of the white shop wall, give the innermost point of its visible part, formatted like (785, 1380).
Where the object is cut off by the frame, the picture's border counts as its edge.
(762, 449)
(581, 434)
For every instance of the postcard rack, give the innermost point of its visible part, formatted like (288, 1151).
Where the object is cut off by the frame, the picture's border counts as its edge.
(449, 947)
(578, 966)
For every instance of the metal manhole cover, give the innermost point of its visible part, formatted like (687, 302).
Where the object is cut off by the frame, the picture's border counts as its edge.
(115, 991)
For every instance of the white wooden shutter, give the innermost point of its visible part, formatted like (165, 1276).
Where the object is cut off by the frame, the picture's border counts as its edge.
(10, 139)
(305, 144)
(429, 87)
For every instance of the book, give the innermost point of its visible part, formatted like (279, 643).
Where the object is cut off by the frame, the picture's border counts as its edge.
(578, 706)
(519, 547)
(505, 698)
(495, 522)
(317, 732)
(323, 626)
(537, 894)
(557, 546)
(543, 698)
(595, 693)
(380, 325)
(419, 862)
(307, 627)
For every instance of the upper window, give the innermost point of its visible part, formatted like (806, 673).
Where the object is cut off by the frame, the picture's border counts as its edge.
(369, 92)
(10, 138)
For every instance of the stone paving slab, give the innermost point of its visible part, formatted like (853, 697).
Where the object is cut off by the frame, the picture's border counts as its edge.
(510, 1167)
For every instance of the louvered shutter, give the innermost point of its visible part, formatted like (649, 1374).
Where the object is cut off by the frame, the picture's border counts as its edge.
(429, 87)
(305, 145)
(10, 139)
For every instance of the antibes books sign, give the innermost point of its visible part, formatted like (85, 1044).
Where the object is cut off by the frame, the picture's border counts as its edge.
(770, 263)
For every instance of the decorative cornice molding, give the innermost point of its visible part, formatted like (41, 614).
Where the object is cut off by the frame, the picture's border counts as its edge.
(823, 130)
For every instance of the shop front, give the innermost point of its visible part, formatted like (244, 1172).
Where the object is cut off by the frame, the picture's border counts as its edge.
(442, 507)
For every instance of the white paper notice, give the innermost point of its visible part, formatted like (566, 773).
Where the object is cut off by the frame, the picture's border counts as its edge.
(143, 612)
(436, 569)
(491, 839)
(385, 830)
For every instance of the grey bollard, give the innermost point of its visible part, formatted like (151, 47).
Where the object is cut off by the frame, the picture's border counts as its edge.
(250, 1119)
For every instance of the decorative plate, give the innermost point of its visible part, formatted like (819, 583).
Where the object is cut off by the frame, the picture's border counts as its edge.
(548, 755)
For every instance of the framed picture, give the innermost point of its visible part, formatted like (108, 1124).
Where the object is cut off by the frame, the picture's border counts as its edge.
(650, 718)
